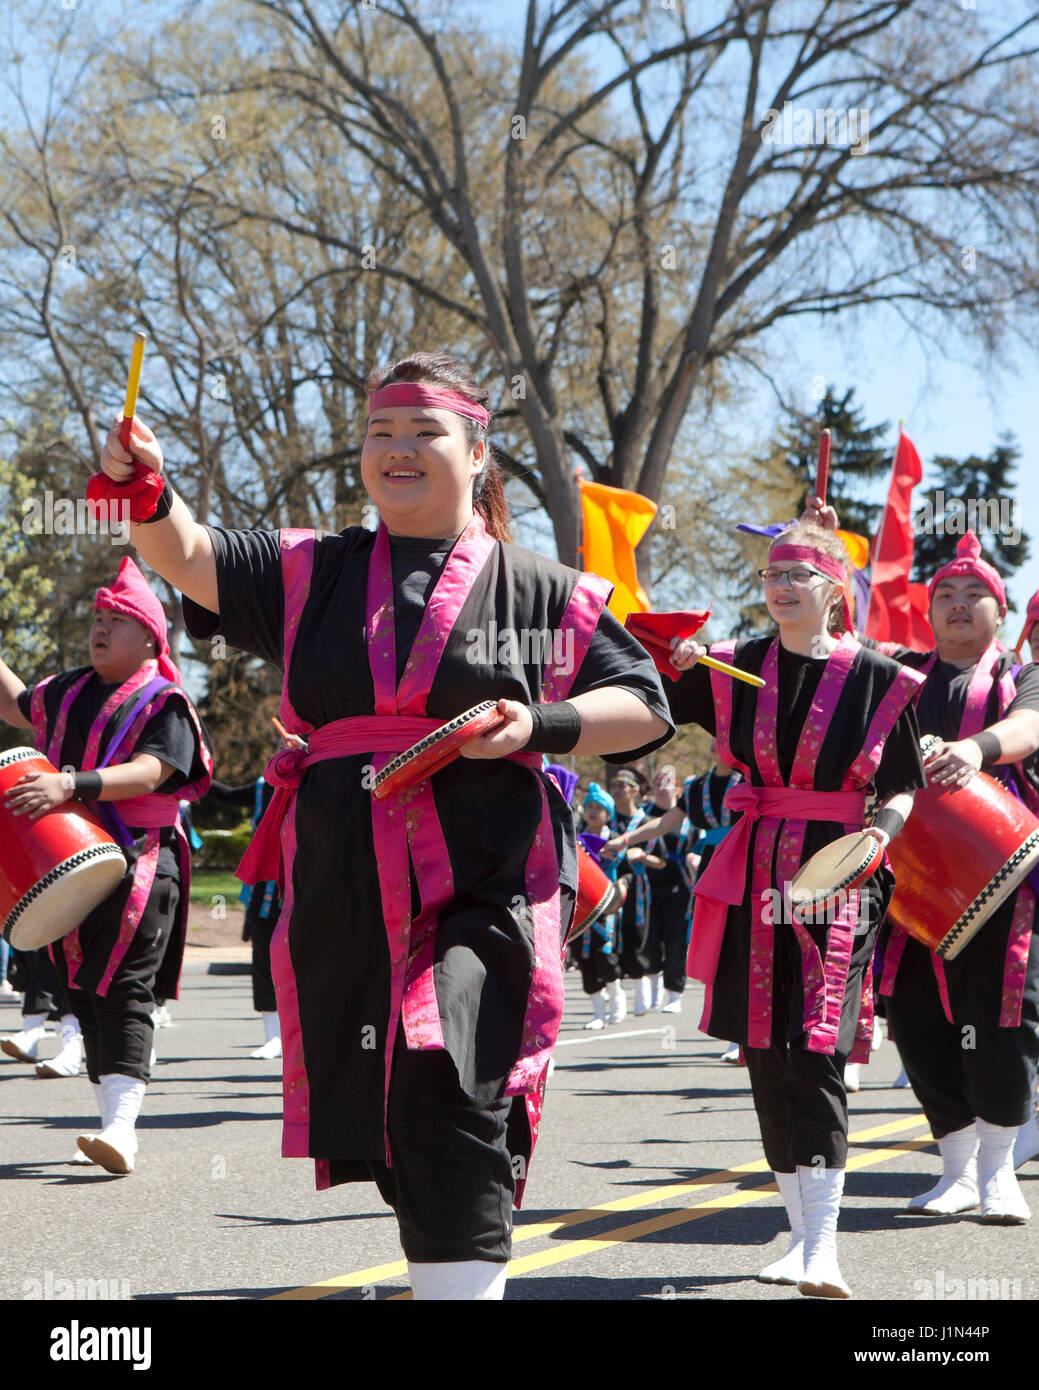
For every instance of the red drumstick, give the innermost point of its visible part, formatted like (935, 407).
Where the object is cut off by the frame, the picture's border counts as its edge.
(822, 471)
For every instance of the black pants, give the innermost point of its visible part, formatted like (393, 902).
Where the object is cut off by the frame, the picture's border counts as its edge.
(34, 974)
(799, 1096)
(802, 1107)
(259, 931)
(668, 913)
(117, 1026)
(452, 1182)
(598, 966)
(971, 1068)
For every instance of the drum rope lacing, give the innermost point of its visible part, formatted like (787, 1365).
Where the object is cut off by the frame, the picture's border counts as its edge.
(459, 721)
(67, 866)
(995, 885)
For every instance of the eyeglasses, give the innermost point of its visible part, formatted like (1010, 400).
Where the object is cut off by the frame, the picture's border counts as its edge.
(801, 576)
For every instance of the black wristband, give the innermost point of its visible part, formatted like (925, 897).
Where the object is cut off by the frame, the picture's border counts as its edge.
(889, 821)
(991, 748)
(556, 728)
(87, 786)
(162, 507)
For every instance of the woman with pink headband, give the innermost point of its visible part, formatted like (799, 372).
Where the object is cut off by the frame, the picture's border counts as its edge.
(418, 955)
(833, 723)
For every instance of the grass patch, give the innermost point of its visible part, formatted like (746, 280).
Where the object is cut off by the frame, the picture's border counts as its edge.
(207, 883)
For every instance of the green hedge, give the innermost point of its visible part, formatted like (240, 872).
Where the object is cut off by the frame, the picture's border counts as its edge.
(223, 849)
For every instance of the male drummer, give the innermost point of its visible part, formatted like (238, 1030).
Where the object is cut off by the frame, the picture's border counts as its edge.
(110, 963)
(967, 1028)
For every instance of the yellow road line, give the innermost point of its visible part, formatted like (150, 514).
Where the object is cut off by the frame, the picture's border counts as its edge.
(618, 1235)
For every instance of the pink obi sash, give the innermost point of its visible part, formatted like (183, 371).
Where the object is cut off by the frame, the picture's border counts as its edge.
(724, 885)
(343, 738)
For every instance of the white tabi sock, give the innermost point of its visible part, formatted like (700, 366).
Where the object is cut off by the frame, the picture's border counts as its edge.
(789, 1268)
(25, 1044)
(459, 1281)
(272, 1031)
(674, 1002)
(1002, 1201)
(657, 995)
(821, 1190)
(643, 996)
(79, 1156)
(116, 1146)
(598, 1018)
(70, 1057)
(616, 1004)
(957, 1189)
(1026, 1145)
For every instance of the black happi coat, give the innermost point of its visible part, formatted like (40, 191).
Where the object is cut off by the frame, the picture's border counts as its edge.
(489, 811)
(900, 770)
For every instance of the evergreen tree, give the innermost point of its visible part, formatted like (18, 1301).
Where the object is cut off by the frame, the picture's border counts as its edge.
(972, 494)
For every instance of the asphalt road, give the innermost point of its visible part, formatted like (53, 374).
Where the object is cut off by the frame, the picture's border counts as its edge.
(647, 1184)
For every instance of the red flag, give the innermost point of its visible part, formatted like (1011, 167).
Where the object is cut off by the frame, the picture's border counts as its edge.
(897, 608)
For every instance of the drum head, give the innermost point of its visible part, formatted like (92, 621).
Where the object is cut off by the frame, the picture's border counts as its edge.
(436, 750)
(64, 897)
(837, 868)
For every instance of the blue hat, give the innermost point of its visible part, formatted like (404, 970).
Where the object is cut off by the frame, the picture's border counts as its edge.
(603, 797)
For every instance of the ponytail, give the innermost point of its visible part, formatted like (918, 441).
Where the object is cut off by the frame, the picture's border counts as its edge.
(489, 499)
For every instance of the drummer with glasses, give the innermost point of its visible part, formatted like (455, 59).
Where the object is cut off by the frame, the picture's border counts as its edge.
(968, 1028)
(832, 722)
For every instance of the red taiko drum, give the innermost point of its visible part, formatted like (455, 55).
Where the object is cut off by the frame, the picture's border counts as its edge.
(963, 852)
(55, 870)
(597, 895)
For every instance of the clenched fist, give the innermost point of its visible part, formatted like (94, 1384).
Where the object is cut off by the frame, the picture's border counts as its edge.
(118, 463)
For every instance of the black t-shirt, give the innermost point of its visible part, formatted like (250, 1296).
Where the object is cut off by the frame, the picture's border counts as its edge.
(943, 699)
(900, 770)
(168, 735)
(252, 606)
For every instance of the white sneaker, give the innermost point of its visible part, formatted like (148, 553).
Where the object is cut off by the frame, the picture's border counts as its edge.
(674, 1003)
(901, 1082)
(731, 1053)
(852, 1076)
(8, 993)
(69, 1060)
(267, 1053)
(616, 1004)
(161, 1017)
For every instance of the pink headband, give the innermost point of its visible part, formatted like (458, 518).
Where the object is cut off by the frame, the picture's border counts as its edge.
(1032, 613)
(825, 564)
(968, 561)
(434, 397)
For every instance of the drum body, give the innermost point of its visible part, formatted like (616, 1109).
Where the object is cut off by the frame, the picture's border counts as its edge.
(597, 895)
(55, 870)
(962, 853)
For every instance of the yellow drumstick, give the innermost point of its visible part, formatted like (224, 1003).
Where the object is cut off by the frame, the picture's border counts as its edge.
(728, 670)
(133, 382)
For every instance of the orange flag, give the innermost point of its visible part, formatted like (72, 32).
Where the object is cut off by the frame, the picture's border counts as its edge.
(614, 522)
